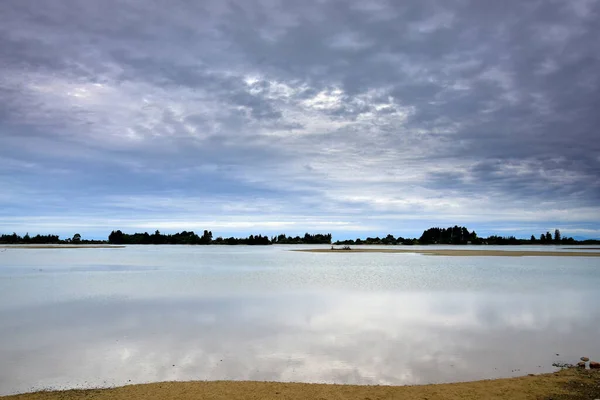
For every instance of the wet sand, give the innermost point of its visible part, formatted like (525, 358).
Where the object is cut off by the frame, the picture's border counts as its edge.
(464, 253)
(566, 384)
(60, 246)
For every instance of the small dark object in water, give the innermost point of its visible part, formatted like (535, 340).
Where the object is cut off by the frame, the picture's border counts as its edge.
(343, 248)
(562, 365)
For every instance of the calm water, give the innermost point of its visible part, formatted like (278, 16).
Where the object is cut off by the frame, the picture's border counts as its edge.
(103, 317)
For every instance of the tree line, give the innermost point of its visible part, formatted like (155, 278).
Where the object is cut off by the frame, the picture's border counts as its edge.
(185, 237)
(388, 240)
(460, 235)
(45, 239)
(455, 235)
(306, 239)
(118, 237)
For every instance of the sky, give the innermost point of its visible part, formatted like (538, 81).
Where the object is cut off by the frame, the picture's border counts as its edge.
(358, 118)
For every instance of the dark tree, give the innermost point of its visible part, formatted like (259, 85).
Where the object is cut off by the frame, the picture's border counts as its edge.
(451, 235)
(116, 237)
(389, 239)
(206, 237)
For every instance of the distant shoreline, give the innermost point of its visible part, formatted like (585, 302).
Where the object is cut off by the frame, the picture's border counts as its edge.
(460, 253)
(456, 235)
(432, 252)
(568, 383)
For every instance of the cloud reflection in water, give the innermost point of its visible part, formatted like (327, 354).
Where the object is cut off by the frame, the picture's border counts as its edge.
(343, 337)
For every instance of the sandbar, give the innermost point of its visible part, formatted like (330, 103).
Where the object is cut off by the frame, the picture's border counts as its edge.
(462, 253)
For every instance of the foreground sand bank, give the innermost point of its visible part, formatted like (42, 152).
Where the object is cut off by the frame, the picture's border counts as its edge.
(568, 384)
(463, 253)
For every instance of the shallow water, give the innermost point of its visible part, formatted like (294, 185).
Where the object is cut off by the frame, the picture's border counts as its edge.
(103, 317)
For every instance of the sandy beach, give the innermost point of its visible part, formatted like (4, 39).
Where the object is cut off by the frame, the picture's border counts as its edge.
(462, 253)
(569, 384)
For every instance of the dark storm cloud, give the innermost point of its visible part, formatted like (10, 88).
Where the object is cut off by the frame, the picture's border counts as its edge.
(412, 102)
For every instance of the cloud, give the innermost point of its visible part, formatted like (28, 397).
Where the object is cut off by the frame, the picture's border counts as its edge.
(451, 111)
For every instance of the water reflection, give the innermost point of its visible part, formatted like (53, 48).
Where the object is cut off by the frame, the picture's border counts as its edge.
(343, 336)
